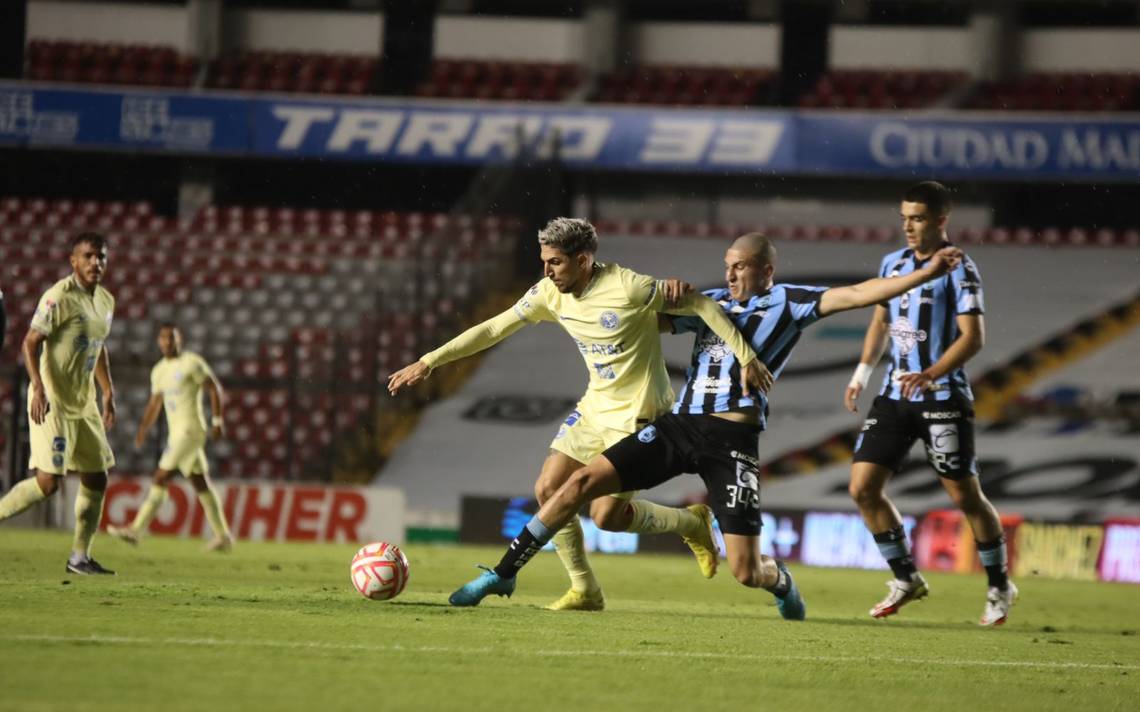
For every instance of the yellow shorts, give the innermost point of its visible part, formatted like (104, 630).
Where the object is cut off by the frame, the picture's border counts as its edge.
(185, 454)
(580, 440)
(61, 445)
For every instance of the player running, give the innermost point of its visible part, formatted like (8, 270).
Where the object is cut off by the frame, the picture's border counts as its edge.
(177, 382)
(714, 426)
(925, 395)
(611, 313)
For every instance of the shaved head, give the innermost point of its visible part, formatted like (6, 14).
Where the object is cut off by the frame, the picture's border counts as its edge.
(757, 246)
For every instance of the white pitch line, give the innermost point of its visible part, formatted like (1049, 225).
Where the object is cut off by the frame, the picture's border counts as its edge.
(287, 644)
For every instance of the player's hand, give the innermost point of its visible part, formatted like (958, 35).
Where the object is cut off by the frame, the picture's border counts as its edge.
(108, 412)
(140, 439)
(218, 432)
(409, 375)
(851, 395)
(755, 375)
(945, 260)
(39, 405)
(914, 382)
(674, 291)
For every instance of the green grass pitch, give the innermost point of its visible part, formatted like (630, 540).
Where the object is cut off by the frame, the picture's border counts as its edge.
(279, 627)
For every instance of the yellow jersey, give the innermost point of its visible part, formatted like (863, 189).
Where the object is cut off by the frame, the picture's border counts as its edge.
(614, 325)
(179, 380)
(75, 324)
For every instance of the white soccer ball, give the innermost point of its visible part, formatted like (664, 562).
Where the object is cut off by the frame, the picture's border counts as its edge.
(379, 571)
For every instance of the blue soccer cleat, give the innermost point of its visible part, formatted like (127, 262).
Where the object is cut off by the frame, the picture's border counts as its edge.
(791, 606)
(488, 582)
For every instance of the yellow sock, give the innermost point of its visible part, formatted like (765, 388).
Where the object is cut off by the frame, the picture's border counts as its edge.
(214, 514)
(154, 499)
(571, 547)
(88, 512)
(650, 518)
(26, 493)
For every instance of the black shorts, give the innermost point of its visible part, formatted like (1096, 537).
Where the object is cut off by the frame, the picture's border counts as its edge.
(722, 452)
(946, 428)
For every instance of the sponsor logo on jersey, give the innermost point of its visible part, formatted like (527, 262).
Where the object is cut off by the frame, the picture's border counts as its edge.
(712, 345)
(941, 414)
(905, 335)
(708, 384)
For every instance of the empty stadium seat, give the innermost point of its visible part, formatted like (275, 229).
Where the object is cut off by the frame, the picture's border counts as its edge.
(692, 86)
(108, 63)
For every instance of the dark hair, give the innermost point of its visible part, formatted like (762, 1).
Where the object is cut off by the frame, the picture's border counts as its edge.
(168, 325)
(932, 194)
(94, 239)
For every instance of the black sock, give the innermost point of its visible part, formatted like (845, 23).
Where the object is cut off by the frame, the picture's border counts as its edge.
(893, 546)
(782, 585)
(529, 542)
(994, 559)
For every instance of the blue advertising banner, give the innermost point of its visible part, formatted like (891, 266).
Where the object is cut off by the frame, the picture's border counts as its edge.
(145, 119)
(969, 147)
(476, 133)
(977, 146)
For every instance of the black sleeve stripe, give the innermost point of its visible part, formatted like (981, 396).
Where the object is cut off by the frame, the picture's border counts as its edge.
(803, 296)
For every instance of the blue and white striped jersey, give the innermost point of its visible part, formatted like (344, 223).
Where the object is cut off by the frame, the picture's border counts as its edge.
(771, 321)
(923, 323)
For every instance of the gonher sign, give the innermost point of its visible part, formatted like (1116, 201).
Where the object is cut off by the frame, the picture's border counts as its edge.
(265, 511)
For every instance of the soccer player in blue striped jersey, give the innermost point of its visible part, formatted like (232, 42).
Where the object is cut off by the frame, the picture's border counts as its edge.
(925, 395)
(714, 427)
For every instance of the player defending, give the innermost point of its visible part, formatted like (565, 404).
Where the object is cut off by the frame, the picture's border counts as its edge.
(713, 428)
(611, 313)
(925, 394)
(66, 431)
(177, 382)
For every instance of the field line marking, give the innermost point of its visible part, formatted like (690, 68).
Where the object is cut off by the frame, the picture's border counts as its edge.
(443, 649)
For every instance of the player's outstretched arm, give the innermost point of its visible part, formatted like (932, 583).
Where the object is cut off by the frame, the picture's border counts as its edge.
(477, 338)
(103, 376)
(874, 344)
(710, 312)
(39, 405)
(153, 406)
(881, 289)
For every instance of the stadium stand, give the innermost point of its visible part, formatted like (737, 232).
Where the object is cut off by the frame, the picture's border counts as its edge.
(301, 312)
(881, 89)
(1070, 91)
(474, 79)
(286, 71)
(688, 85)
(108, 63)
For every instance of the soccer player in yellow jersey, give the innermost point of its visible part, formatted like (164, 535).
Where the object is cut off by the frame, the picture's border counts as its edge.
(177, 382)
(611, 313)
(66, 430)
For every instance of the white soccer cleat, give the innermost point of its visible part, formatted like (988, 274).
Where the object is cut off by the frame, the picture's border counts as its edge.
(900, 593)
(998, 603)
(124, 534)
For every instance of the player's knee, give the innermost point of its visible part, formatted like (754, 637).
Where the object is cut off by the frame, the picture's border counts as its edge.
(95, 481)
(48, 483)
(864, 493)
(543, 491)
(610, 516)
(199, 483)
(162, 478)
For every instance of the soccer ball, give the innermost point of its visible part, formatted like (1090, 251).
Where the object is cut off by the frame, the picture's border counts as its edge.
(379, 571)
